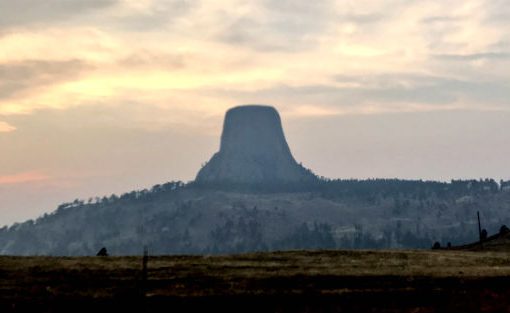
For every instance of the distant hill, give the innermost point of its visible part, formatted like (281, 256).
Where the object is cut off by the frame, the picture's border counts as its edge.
(189, 218)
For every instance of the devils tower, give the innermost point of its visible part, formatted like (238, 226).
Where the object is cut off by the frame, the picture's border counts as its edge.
(253, 150)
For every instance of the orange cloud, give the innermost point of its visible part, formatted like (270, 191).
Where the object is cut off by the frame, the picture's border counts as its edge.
(314, 111)
(25, 177)
(5, 128)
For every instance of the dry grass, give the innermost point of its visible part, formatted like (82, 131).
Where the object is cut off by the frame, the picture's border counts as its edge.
(379, 274)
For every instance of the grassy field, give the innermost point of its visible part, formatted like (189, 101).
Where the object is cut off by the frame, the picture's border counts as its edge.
(296, 281)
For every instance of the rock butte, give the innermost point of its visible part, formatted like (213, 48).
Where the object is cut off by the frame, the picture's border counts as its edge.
(253, 150)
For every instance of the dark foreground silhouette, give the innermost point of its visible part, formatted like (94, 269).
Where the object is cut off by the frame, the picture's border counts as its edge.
(102, 252)
(300, 281)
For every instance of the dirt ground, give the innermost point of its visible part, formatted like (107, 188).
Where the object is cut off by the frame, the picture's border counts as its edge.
(296, 281)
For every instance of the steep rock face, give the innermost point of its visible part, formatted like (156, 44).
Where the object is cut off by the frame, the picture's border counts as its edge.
(253, 150)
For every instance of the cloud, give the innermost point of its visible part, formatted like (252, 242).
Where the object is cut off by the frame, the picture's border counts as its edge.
(308, 111)
(393, 55)
(474, 56)
(428, 89)
(23, 13)
(392, 92)
(32, 75)
(86, 44)
(24, 177)
(361, 18)
(6, 128)
(498, 13)
(441, 19)
(279, 25)
(151, 15)
(150, 60)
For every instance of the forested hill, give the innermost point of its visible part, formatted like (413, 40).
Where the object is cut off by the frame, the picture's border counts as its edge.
(222, 218)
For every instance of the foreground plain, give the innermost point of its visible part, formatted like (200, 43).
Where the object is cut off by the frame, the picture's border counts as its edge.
(295, 281)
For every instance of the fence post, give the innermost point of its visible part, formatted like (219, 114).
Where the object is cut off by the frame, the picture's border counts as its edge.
(479, 229)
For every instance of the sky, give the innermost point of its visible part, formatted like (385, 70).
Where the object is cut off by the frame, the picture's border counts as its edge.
(106, 96)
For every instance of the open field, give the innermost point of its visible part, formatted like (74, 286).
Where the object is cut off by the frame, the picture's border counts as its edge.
(297, 281)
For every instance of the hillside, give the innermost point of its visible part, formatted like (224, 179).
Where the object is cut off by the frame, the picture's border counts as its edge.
(176, 218)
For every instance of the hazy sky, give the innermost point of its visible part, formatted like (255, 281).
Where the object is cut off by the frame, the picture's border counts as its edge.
(106, 96)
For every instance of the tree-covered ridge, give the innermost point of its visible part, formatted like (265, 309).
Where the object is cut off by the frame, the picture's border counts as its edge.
(194, 218)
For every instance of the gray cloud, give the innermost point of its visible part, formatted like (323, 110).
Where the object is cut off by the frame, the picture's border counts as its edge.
(147, 59)
(438, 30)
(250, 32)
(498, 12)
(384, 90)
(30, 75)
(287, 26)
(440, 19)
(501, 45)
(433, 90)
(20, 13)
(362, 19)
(161, 15)
(474, 56)
(291, 26)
